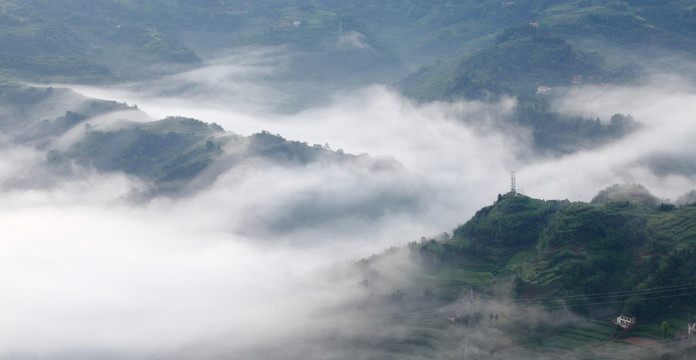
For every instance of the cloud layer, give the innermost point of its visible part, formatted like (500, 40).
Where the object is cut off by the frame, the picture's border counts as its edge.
(253, 257)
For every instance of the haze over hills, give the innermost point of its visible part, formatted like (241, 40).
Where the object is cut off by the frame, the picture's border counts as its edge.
(77, 38)
(238, 179)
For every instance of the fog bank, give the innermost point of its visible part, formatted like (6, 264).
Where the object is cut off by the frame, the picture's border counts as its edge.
(262, 254)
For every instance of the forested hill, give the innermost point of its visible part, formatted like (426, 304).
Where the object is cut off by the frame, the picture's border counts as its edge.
(109, 40)
(603, 252)
(543, 279)
(178, 156)
(522, 59)
(175, 156)
(104, 40)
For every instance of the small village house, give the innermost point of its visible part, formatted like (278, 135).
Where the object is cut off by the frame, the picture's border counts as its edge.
(625, 321)
(543, 90)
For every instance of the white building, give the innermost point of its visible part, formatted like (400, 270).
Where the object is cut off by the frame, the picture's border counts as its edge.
(543, 90)
(625, 321)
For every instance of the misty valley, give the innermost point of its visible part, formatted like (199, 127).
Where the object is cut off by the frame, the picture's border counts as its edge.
(320, 179)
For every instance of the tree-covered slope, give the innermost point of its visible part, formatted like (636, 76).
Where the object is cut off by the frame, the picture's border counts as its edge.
(528, 278)
(599, 254)
(646, 25)
(549, 43)
(529, 64)
(164, 151)
(83, 41)
(180, 155)
(78, 40)
(172, 156)
(34, 116)
(96, 41)
(423, 31)
(522, 59)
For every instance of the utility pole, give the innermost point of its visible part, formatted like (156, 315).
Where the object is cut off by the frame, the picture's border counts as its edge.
(471, 329)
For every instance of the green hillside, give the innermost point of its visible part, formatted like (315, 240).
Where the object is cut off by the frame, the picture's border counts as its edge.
(559, 249)
(107, 40)
(91, 41)
(180, 155)
(522, 59)
(547, 43)
(80, 41)
(173, 156)
(445, 29)
(530, 261)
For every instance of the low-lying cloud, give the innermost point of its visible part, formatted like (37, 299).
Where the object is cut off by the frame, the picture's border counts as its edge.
(254, 257)
(652, 156)
(352, 39)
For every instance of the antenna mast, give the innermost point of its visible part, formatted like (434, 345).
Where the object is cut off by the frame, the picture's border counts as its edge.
(513, 183)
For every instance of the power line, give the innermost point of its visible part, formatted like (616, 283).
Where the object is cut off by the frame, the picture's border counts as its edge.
(625, 293)
(656, 293)
(621, 301)
(471, 328)
(582, 300)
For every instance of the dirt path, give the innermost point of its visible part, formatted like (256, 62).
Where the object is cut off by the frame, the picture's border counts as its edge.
(644, 342)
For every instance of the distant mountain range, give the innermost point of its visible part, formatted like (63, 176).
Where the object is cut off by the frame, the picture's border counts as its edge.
(88, 41)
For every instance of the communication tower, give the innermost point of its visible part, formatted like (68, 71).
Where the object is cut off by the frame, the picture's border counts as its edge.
(513, 184)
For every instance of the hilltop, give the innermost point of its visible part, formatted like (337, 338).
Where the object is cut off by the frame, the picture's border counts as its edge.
(522, 59)
(530, 261)
(174, 156)
(558, 248)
